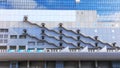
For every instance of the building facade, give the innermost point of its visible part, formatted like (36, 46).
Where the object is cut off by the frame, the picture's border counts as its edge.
(29, 45)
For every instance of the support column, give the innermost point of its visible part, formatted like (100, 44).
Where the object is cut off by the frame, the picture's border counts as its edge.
(28, 64)
(10, 64)
(79, 64)
(8, 48)
(59, 64)
(17, 48)
(35, 50)
(17, 66)
(14, 64)
(96, 64)
(26, 48)
(45, 65)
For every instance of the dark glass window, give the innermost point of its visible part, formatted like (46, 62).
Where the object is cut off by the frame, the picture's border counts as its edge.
(3, 30)
(22, 36)
(13, 47)
(22, 47)
(13, 36)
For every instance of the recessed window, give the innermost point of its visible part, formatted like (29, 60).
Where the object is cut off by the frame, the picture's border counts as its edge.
(5, 36)
(39, 50)
(31, 43)
(3, 47)
(31, 49)
(12, 47)
(13, 36)
(22, 36)
(22, 47)
(1, 35)
(3, 30)
(5, 41)
(39, 43)
(1, 40)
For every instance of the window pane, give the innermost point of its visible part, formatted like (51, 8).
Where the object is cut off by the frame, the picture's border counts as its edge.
(5, 36)
(22, 36)
(13, 36)
(31, 43)
(5, 41)
(3, 30)
(1, 40)
(1, 36)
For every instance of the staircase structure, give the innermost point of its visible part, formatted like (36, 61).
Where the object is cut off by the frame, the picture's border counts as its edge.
(36, 46)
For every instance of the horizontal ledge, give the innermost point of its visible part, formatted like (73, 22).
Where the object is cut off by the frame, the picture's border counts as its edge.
(59, 56)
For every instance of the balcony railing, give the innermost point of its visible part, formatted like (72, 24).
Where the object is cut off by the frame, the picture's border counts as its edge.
(58, 50)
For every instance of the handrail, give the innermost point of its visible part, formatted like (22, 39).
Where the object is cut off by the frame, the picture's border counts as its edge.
(67, 42)
(58, 33)
(104, 43)
(86, 43)
(90, 50)
(70, 31)
(60, 40)
(49, 30)
(86, 36)
(78, 34)
(39, 39)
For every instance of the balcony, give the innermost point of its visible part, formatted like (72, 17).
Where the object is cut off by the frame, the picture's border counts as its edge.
(24, 53)
(23, 49)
